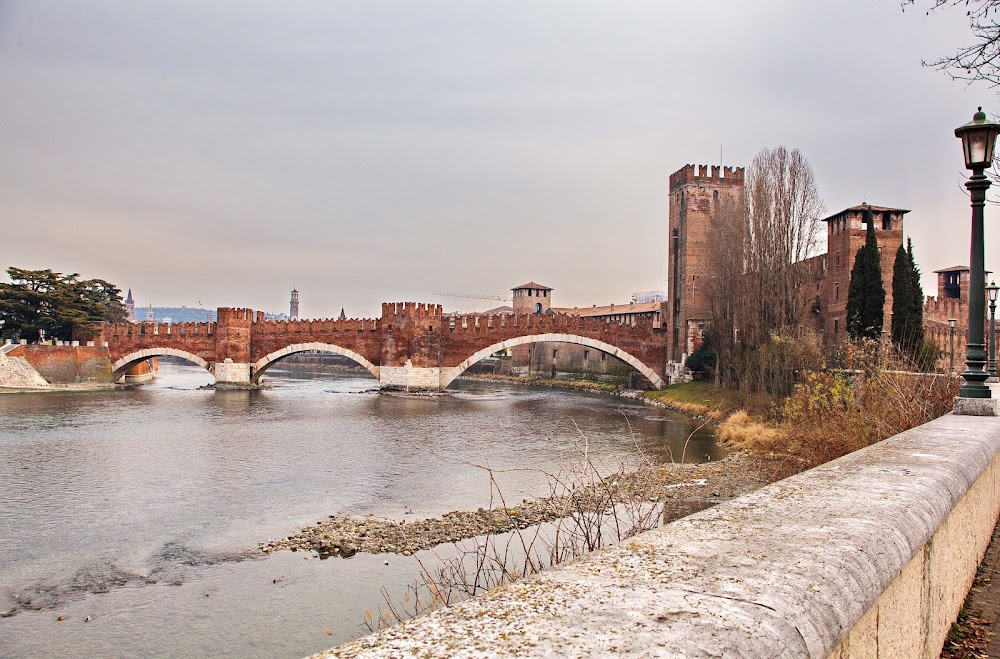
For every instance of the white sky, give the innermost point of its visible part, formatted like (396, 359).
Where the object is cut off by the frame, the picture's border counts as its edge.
(372, 151)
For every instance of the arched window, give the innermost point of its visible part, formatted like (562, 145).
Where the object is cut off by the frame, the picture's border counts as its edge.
(538, 307)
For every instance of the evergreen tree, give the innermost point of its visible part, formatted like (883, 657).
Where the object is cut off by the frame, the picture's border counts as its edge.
(64, 306)
(907, 303)
(866, 295)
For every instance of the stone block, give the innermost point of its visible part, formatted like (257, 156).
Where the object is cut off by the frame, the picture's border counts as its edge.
(975, 406)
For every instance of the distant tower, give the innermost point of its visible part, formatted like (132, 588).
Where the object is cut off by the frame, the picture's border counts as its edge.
(532, 298)
(696, 193)
(293, 307)
(846, 232)
(343, 316)
(130, 307)
(149, 313)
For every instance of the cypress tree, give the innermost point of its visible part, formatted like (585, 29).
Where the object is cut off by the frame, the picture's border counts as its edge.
(907, 303)
(902, 323)
(916, 299)
(866, 295)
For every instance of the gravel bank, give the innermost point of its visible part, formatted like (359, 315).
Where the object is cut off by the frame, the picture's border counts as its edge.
(684, 488)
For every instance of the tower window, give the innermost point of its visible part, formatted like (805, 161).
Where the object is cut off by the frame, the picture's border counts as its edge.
(836, 292)
(886, 222)
(836, 326)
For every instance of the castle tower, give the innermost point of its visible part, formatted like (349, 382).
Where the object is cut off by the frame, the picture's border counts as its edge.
(293, 306)
(845, 235)
(130, 307)
(953, 283)
(694, 201)
(532, 298)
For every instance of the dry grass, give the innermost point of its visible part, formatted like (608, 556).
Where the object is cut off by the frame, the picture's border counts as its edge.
(696, 399)
(741, 431)
(832, 413)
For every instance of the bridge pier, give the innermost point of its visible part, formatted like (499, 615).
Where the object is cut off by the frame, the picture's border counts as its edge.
(231, 375)
(410, 378)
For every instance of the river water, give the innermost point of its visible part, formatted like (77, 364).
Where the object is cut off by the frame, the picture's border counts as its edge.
(135, 508)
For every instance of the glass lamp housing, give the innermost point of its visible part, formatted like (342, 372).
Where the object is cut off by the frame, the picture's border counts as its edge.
(978, 139)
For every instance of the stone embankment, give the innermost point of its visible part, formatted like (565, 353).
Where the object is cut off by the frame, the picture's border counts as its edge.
(17, 374)
(683, 488)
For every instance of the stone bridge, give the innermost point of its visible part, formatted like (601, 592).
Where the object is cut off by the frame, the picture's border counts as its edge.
(413, 346)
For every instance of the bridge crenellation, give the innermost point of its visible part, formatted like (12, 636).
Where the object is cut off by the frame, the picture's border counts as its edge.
(412, 345)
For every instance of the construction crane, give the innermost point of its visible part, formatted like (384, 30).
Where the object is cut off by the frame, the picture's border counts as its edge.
(476, 297)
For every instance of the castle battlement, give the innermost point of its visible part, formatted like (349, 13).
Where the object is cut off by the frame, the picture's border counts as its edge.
(420, 309)
(689, 175)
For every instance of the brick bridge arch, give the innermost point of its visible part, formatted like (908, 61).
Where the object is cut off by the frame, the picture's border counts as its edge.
(120, 366)
(596, 344)
(269, 360)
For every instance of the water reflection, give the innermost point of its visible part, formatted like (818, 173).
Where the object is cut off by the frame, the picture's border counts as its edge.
(107, 498)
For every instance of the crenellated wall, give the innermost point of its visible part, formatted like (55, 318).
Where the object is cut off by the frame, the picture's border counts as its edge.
(409, 337)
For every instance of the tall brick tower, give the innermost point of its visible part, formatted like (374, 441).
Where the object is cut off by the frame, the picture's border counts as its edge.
(293, 306)
(845, 235)
(694, 201)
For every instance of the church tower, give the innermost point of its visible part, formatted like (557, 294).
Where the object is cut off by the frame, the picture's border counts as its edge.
(293, 306)
(130, 307)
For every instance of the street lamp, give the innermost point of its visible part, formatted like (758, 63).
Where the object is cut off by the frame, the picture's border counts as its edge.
(978, 139)
(951, 360)
(991, 293)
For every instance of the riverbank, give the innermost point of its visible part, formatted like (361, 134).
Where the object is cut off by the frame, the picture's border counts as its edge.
(682, 488)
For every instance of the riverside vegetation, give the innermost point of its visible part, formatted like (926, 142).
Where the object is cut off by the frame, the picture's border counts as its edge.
(872, 395)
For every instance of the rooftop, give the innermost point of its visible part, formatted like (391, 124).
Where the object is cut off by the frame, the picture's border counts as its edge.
(955, 268)
(864, 207)
(533, 285)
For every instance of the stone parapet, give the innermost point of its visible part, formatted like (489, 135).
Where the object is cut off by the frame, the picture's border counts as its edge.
(869, 555)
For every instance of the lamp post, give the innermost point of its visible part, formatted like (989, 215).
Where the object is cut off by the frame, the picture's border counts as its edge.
(978, 139)
(951, 360)
(991, 293)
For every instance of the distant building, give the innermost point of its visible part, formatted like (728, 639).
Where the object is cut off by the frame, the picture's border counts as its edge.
(343, 316)
(846, 233)
(130, 307)
(150, 317)
(695, 195)
(293, 306)
(649, 296)
(532, 298)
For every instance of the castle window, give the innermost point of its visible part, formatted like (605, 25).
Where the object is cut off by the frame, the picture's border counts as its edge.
(836, 326)
(554, 353)
(586, 354)
(836, 292)
(538, 307)
(838, 259)
(886, 221)
(715, 195)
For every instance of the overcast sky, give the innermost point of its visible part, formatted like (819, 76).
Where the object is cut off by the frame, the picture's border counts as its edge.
(221, 152)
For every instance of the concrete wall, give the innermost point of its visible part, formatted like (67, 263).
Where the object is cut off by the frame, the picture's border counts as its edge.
(870, 555)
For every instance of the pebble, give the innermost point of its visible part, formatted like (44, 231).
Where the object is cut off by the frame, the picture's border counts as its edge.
(344, 535)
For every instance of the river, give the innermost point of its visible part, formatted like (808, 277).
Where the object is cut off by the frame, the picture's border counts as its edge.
(130, 513)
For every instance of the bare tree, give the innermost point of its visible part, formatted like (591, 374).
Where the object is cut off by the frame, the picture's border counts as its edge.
(978, 61)
(759, 254)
